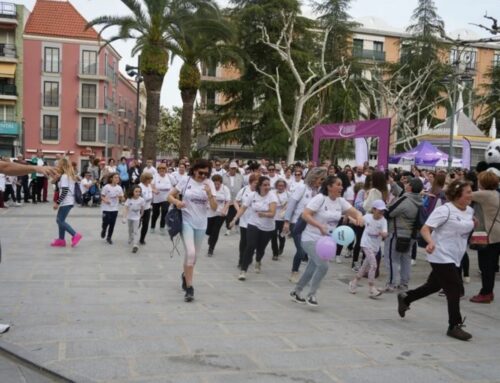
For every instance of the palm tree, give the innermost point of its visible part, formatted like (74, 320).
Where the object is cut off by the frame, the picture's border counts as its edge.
(198, 35)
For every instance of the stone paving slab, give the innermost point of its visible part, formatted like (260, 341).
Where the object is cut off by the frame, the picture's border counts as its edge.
(99, 313)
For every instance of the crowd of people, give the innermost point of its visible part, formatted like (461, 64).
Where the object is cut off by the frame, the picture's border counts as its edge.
(392, 213)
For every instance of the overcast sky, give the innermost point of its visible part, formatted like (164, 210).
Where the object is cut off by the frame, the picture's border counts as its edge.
(457, 14)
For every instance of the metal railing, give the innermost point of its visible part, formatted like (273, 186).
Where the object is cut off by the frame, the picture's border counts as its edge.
(89, 69)
(8, 89)
(111, 135)
(109, 105)
(110, 73)
(8, 10)
(80, 104)
(368, 54)
(8, 50)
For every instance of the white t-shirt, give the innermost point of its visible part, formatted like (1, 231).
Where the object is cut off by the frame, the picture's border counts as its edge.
(163, 186)
(220, 172)
(360, 178)
(222, 196)
(257, 203)
(282, 199)
(303, 194)
(327, 212)
(2, 182)
(85, 182)
(273, 180)
(241, 197)
(152, 170)
(39, 162)
(177, 177)
(135, 206)
(66, 182)
(292, 186)
(371, 235)
(450, 236)
(147, 194)
(349, 194)
(112, 193)
(196, 199)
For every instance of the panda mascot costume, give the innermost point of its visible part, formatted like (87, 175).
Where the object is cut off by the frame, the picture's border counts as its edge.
(492, 159)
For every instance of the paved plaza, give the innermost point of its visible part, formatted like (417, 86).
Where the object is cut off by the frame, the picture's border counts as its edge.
(99, 313)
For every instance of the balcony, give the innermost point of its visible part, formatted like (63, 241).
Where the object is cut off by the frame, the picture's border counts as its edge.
(109, 105)
(90, 72)
(8, 92)
(8, 13)
(8, 51)
(9, 128)
(368, 54)
(89, 107)
(111, 134)
(111, 74)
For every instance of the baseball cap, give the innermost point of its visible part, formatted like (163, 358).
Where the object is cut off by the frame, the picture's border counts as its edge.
(233, 165)
(379, 205)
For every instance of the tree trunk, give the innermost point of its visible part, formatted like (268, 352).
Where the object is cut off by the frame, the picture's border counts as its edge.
(188, 97)
(153, 83)
(292, 148)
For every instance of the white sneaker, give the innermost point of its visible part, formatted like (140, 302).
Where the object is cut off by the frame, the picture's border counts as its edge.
(242, 276)
(4, 328)
(17, 204)
(227, 233)
(352, 287)
(162, 230)
(152, 230)
(257, 267)
(338, 259)
(413, 262)
(294, 277)
(466, 279)
(374, 292)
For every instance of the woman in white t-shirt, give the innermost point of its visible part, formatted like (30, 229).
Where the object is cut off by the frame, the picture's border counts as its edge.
(241, 197)
(111, 196)
(215, 219)
(322, 215)
(198, 195)
(162, 184)
(147, 194)
(446, 232)
(278, 240)
(261, 206)
(65, 203)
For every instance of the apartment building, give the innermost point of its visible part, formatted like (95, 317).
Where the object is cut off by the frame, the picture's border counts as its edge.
(12, 20)
(78, 100)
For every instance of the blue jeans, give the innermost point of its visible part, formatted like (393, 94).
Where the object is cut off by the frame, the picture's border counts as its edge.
(315, 271)
(62, 214)
(192, 240)
(300, 253)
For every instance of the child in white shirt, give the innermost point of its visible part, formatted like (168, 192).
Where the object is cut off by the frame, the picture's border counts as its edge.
(132, 213)
(375, 231)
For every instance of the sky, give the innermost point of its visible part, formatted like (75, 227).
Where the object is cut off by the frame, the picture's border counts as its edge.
(457, 14)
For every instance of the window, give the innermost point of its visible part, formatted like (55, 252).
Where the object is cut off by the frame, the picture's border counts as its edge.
(357, 45)
(51, 93)
(89, 129)
(89, 96)
(51, 60)
(378, 46)
(210, 100)
(496, 60)
(7, 113)
(50, 127)
(89, 62)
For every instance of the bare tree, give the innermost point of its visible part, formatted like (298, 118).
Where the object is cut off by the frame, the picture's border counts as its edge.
(494, 29)
(319, 78)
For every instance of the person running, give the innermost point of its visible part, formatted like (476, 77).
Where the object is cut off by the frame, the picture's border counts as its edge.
(132, 213)
(234, 181)
(198, 195)
(65, 203)
(322, 215)
(147, 194)
(216, 218)
(375, 232)
(111, 196)
(278, 239)
(446, 232)
(262, 209)
(162, 184)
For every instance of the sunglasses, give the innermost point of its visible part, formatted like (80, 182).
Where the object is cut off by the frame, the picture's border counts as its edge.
(204, 174)
(298, 174)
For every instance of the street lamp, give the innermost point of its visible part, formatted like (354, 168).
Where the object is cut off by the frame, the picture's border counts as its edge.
(134, 71)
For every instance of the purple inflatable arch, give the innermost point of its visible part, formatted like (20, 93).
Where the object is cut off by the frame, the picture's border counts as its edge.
(380, 128)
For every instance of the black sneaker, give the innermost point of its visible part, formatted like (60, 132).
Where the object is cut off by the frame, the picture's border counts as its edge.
(275, 257)
(210, 253)
(311, 301)
(142, 242)
(457, 332)
(184, 285)
(134, 249)
(189, 296)
(103, 233)
(109, 241)
(297, 298)
(402, 305)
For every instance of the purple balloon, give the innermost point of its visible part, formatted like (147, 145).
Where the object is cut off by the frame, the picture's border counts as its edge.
(326, 248)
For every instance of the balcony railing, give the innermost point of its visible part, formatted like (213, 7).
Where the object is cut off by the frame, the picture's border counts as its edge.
(87, 104)
(10, 128)
(369, 54)
(8, 50)
(109, 105)
(110, 73)
(111, 135)
(88, 69)
(8, 89)
(8, 10)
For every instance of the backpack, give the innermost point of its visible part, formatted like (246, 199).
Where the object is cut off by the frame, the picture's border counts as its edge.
(174, 218)
(78, 194)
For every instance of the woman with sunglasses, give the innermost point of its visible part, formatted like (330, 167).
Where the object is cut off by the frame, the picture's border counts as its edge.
(162, 184)
(296, 182)
(198, 195)
(278, 239)
(262, 209)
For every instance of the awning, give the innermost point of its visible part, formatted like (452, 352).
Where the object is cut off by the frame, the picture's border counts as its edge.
(7, 70)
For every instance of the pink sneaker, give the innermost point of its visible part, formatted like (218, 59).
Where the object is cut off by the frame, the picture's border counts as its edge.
(58, 243)
(76, 239)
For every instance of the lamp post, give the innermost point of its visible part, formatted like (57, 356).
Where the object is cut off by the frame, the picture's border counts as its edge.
(134, 72)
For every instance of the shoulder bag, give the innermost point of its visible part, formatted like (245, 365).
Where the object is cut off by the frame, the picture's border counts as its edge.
(479, 238)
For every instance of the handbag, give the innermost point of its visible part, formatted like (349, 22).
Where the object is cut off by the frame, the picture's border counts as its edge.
(174, 218)
(479, 238)
(402, 243)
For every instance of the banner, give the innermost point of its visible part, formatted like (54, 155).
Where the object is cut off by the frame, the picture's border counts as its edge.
(361, 150)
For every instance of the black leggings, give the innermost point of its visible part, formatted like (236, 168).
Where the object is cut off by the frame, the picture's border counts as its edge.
(231, 213)
(159, 210)
(243, 244)
(257, 241)
(9, 192)
(488, 261)
(108, 222)
(145, 224)
(277, 240)
(443, 276)
(214, 225)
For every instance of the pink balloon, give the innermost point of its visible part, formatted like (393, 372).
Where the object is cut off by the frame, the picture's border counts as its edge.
(326, 248)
